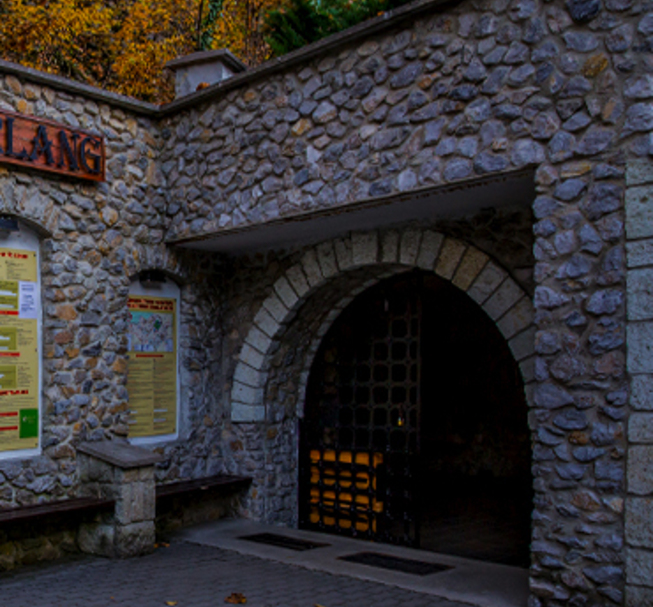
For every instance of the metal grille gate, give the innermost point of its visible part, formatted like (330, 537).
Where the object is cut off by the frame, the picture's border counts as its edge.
(360, 434)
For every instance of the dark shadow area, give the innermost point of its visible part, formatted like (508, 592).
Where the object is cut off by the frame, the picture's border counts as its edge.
(415, 428)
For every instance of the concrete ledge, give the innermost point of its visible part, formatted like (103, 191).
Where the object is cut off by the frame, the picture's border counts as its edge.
(77, 88)
(120, 454)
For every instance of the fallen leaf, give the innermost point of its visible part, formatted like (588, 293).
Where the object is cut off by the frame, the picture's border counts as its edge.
(164, 544)
(171, 603)
(236, 598)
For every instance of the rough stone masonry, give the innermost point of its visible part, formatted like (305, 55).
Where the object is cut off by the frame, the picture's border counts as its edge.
(431, 95)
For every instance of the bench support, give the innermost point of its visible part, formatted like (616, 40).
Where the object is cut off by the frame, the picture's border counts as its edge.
(123, 473)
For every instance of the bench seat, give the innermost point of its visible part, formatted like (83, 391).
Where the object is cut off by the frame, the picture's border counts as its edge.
(225, 481)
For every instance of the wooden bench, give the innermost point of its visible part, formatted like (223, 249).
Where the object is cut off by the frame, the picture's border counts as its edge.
(225, 481)
(34, 511)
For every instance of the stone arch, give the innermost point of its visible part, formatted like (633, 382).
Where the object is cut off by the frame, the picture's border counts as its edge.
(157, 258)
(468, 268)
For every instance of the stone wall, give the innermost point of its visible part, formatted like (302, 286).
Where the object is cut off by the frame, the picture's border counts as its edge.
(461, 91)
(639, 503)
(94, 239)
(438, 96)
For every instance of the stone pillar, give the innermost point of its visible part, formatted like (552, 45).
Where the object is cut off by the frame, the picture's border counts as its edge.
(119, 471)
(639, 501)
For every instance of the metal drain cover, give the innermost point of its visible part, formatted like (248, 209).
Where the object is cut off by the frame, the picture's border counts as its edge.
(395, 563)
(282, 541)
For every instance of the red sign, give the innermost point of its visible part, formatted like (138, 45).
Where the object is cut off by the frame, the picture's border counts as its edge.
(47, 146)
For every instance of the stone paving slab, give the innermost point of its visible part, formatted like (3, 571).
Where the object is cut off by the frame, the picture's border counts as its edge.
(196, 576)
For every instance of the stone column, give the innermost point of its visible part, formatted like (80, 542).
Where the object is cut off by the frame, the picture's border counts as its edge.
(639, 502)
(119, 471)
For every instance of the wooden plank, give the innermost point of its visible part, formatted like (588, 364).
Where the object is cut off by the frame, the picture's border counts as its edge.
(43, 145)
(226, 481)
(75, 504)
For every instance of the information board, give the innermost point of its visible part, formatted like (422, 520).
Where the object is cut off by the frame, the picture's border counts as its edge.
(19, 350)
(152, 371)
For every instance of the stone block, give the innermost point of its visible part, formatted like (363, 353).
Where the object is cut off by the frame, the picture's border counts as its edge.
(409, 246)
(640, 470)
(130, 504)
(641, 392)
(364, 247)
(527, 368)
(507, 295)
(285, 292)
(247, 375)
(639, 568)
(245, 413)
(326, 257)
(522, 345)
(343, 254)
(639, 523)
(640, 428)
(640, 347)
(96, 538)
(639, 253)
(94, 470)
(264, 321)
(390, 247)
(246, 394)
(276, 308)
(450, 255)
(639, 212)
(638, 596)
(639, 171)
(486, 282)
(517, 318)
(640, 294)
(126, 476)
(312, 268)
(251, 357)
(298, 280)
(135, 539)
(429, 249)
(470, 267)
(257, 339)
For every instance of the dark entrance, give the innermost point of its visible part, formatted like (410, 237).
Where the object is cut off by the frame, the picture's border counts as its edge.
(415, 429)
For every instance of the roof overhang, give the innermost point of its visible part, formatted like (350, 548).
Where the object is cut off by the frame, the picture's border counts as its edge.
(424, 205)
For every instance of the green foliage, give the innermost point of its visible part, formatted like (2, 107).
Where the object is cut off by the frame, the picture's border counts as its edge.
(297, 23)
(207, 24)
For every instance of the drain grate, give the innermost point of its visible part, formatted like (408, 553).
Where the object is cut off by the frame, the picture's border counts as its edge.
(282, 541)
(385, 561)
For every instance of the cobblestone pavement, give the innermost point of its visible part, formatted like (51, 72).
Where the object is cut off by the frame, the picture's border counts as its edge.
(196, 576)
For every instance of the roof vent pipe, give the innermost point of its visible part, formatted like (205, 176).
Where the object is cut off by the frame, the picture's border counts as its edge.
(198, 70)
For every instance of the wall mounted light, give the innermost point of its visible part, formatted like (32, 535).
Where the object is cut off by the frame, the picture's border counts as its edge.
(8, 225)
(151, 279)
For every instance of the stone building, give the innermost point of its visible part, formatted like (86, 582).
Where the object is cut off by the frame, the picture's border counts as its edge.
(419, 252)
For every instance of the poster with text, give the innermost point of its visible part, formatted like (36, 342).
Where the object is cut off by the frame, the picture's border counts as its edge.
(19, 350)
(152, 372)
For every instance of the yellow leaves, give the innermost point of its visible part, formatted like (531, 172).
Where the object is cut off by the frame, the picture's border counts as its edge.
(171, 603)
(236, 598)
(121, 45)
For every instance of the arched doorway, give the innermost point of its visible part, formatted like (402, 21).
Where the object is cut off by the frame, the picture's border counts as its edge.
(415, 429)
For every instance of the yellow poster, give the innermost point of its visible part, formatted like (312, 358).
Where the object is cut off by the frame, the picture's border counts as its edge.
(19, 353)
(152, 373)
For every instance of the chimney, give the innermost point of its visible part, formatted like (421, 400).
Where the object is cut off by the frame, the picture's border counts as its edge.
(198, 70)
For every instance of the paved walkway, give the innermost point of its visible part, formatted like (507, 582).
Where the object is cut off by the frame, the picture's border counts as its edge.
(193, 575)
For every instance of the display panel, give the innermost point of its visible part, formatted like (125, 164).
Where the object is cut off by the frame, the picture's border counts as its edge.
(19, 347)
(152, 371)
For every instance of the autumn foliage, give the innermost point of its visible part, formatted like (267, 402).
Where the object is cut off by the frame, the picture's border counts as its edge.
(122, 45)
